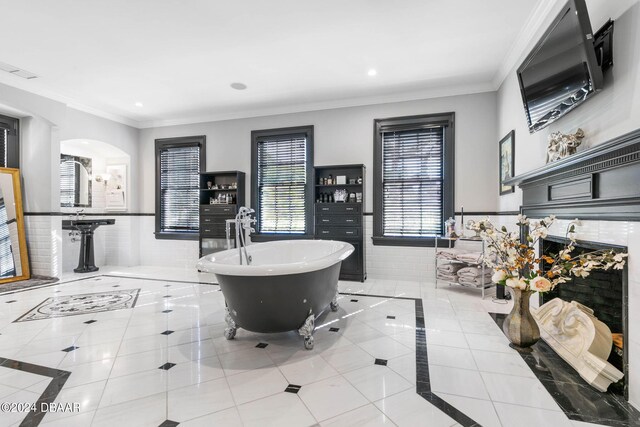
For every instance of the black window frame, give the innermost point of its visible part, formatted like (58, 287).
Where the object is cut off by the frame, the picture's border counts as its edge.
(256, 135)
(448, 191)
(183, 141)
(12, 125)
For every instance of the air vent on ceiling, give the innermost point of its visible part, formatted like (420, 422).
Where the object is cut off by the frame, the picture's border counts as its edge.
(11, 69)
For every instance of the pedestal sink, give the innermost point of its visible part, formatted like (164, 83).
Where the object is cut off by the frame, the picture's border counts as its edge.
(86, 227)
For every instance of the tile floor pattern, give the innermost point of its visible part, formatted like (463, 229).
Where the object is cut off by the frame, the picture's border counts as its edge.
(127, 370)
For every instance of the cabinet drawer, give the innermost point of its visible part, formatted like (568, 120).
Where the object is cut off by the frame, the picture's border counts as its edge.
(218, 210)
(338, 208)
(214, 219)
(213, 230)
(339, 220)
(337, 232)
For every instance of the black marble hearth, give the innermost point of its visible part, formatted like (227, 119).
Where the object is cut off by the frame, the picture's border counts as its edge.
(578, 400)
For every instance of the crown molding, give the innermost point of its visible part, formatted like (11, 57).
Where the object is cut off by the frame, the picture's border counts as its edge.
(28, 86)
(527, 37)
(328, 105)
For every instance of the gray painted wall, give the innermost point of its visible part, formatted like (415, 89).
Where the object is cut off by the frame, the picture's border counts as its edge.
(345, 135)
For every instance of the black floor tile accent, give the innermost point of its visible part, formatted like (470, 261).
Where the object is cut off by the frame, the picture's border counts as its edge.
(423, 384)
(382, 362)
(167, 296)
(334, 329)
(58, 378)
(167, 311)
(166, 286)
(292, 388)
(72, 348)
(9, 302)
(262, 345)
(354, 300)
(88, 322)
(116, 286)
(167, 332)
(169, 423)
(167, 366)
(391, 317)
(578, 400)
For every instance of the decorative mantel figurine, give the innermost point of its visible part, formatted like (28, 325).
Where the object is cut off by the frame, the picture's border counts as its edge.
(579, 338)
(561, 145)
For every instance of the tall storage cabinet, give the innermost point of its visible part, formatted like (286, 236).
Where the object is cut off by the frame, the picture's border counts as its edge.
(339, 218)
(221, 194)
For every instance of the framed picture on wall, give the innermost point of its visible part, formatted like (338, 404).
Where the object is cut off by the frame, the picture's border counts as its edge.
(116, 189)
(507, 160)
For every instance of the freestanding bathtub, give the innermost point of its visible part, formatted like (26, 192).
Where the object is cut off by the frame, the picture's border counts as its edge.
(287, 285)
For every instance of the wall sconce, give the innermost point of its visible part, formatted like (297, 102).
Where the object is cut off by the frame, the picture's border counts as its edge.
(103, 177)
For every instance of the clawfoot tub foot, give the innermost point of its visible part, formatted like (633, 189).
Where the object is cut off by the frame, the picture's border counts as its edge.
(306, 330)
(334, 303)
(230, 330)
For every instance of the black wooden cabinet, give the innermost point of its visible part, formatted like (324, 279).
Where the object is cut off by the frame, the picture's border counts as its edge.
(336, 219)
(221, 193)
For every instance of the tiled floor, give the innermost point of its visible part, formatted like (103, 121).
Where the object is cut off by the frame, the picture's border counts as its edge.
(167, 359)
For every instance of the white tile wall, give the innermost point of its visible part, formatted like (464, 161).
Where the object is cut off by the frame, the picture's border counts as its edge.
(412, 263)
(169, 253)
(41, 244)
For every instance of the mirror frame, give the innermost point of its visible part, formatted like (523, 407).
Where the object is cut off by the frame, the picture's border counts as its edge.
(24, 257)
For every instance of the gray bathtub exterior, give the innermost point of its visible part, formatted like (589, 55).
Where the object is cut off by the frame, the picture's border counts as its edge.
(281, 303)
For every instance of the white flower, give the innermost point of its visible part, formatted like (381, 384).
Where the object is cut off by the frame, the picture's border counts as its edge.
(498, 276)
(540, 233)
(540, 284)
(516, 283)
(619, 257)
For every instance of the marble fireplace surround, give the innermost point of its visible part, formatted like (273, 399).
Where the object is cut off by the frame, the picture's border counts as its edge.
(600, 187)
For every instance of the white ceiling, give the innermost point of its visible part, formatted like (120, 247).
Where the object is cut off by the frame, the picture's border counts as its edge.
(178, 57)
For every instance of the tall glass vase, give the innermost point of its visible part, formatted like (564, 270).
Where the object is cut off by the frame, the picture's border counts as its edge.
(520, 326)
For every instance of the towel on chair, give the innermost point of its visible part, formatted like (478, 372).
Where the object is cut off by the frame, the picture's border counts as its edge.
(474, 271)
(474, 281)
(473, 257)
(449, 268)
(448, 277)
(448, 253)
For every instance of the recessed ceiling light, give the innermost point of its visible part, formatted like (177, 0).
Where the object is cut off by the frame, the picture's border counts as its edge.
(238, 86)
(372, 72)
(139, 104)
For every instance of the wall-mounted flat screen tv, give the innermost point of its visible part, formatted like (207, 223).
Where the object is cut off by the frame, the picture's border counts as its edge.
(561, 72)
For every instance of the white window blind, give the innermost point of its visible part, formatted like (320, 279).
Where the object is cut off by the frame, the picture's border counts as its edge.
(179, 188)
(67, 182)
(282, 181)
(412, 162)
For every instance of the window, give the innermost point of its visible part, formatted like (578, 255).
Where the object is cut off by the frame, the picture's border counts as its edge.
(9, 152)
(178, 165)
(282, 181)
(413, 178)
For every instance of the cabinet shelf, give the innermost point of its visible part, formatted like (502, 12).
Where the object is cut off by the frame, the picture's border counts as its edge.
(343, 220)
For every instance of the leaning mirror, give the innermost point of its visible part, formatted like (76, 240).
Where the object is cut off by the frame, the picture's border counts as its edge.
(14, 263)
(75, 181)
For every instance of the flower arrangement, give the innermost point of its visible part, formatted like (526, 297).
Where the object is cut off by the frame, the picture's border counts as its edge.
(515, 262)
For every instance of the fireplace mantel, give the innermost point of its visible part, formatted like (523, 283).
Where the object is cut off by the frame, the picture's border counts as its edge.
(600, 183)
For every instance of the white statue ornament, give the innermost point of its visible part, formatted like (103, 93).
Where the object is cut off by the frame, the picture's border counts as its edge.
(582, 340)
(561, 145)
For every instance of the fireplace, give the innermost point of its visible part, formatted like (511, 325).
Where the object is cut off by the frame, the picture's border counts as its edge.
(605, 292)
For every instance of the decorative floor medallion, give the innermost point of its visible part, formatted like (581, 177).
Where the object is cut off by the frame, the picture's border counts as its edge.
(72, 305)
